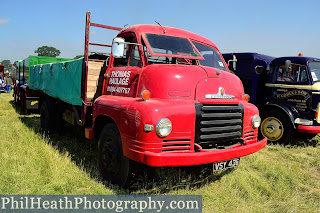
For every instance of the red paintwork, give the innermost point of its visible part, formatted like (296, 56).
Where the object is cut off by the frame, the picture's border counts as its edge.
(175, 89)
(197, 158)
(308, 129)
(105, 26)
(2, 70)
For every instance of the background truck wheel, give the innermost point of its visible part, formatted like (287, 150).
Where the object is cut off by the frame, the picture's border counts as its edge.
(276, 127)
(46, 119)
(113, 165)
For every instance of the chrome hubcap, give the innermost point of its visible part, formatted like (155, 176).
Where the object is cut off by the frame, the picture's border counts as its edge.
(272, 128)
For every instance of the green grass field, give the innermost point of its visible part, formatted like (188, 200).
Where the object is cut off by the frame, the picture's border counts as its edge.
(275, 179)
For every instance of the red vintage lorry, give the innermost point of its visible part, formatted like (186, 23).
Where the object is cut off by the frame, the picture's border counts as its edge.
(163, 97)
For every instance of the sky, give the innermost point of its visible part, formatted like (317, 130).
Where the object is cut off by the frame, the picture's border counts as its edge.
(276, 28)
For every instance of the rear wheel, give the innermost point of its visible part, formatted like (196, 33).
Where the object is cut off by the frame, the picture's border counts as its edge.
(17, 99)
(25, 107)
(58, 118)
(113, 165)
(22, 101)
(46, 119)
(14, 95)
(277, 127)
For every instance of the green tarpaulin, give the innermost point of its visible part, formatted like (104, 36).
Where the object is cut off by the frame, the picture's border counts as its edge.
(59, 80)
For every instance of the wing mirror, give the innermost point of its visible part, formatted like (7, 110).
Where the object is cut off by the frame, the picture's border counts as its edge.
(234, 62)
(118, 47)
(288, 66)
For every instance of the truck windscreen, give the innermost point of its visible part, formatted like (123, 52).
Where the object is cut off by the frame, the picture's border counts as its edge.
(315, 70)
(211, 57)
(170, 45)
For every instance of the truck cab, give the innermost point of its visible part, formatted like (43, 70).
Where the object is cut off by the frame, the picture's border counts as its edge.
(285, 89)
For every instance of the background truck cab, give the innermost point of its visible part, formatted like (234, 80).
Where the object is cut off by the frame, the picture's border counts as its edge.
(286, 91)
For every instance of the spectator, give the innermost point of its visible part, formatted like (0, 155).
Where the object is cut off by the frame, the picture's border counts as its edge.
(8, 82)
(1, 84)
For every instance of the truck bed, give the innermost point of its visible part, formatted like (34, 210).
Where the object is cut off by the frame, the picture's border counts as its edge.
(63, 80)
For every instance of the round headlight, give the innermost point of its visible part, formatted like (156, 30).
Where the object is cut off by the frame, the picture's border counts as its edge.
(163, 127)
(256, 121)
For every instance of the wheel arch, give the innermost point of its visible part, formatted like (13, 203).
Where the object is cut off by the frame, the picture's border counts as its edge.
(291, 114)
(99, 122)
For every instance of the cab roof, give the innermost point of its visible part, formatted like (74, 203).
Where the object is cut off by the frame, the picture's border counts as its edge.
(250, 56)
(294, 59)
(169, 31)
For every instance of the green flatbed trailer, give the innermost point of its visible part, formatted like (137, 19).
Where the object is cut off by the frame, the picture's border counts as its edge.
(23, 94)
(60, 80)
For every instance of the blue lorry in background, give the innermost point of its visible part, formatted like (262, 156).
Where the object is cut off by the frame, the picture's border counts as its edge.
(286, 90)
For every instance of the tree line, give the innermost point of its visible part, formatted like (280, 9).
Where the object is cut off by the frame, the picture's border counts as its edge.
(41, 51)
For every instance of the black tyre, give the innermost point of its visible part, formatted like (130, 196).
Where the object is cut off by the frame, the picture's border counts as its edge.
(58, 118)
(113, 165)
(16, 98)
(46, 119)
(307, 136)
(277, 127)
(22, 102)
(25, 107)
(14, 95)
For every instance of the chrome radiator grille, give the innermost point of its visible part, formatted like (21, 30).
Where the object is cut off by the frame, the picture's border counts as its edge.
(218, 126)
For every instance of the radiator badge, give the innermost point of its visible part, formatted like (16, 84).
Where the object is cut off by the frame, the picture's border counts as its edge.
(221, 95)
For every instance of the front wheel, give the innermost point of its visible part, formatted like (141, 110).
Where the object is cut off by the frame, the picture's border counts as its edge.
(113, 165)
(277, 127)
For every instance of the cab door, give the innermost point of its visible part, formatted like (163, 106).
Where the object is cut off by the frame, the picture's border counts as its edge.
(293, 87)
(123, 75)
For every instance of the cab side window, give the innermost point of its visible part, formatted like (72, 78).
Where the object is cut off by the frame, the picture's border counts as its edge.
(302, 74)
(123, 62)
(131, 54)
(134, 57)
(298, 74)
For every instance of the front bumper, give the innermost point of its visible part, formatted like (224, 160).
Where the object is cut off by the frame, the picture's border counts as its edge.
(308, 129)
(194, 158)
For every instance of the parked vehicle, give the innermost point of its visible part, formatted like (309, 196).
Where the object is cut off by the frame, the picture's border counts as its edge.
(23, 95)
(286, 90)
(164, 97)
(2, 75)
(2, 70)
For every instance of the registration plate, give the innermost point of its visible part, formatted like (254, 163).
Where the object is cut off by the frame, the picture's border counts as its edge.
(217, 166)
